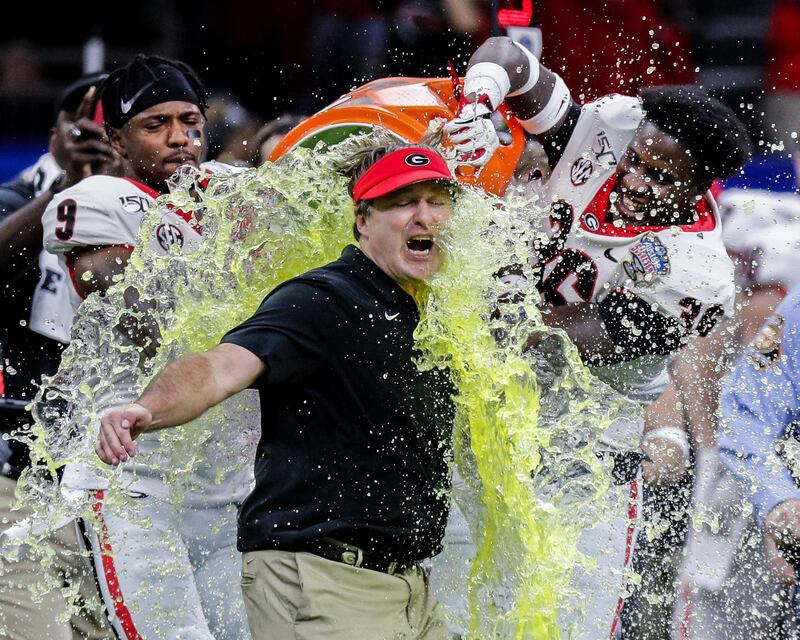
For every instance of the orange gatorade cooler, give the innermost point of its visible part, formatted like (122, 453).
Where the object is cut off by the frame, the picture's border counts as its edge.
(405, 106)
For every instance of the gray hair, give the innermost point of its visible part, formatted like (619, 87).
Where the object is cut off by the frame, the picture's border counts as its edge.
(357, 154)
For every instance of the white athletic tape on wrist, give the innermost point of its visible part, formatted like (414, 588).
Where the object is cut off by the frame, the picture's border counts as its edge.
(533, 73)
(552, 112)
(487, 78)
(672, 434)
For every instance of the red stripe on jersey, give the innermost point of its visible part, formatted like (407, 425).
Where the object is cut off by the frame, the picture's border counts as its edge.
(684, 625)
(110, 572)
(189, 216)
(71, 269)
(147, 189)
(600, 207)
(632, 516)
(716, 188)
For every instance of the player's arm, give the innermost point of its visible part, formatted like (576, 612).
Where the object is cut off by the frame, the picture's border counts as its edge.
(697, 373)
(503, 71)
(756, 305)
(699, 368)
(782, 527)
(96, 268)
(507, 72)
(665, 441)
(621, 327)
(186, 389)
(582, 323)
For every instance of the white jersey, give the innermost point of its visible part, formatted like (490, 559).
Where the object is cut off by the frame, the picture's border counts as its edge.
(51, 312)
(107, 211)
(683, 271)
(761, 231)
(98, 211)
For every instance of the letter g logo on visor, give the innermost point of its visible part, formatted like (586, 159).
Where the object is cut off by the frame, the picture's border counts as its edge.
(399, 169)
(417, 160)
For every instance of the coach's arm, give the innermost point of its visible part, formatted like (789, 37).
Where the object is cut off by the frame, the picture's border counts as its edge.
(184, 390)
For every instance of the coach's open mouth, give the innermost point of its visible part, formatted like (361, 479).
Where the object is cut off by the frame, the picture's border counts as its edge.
(420, 244)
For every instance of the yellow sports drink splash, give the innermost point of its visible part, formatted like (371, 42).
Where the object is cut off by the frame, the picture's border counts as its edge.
(527, 421)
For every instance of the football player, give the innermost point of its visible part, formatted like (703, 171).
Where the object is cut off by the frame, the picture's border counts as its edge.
(171, 570)
(635, 263)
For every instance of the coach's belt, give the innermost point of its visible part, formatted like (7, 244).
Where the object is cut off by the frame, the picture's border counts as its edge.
(339, 551)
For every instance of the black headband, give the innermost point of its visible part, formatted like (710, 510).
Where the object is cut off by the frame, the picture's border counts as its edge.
(144, 87)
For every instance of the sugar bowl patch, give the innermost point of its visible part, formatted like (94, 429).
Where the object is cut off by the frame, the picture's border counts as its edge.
(646, 259)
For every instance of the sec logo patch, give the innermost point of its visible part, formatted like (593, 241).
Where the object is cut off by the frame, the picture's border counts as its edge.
(581, 171)
(169, 235)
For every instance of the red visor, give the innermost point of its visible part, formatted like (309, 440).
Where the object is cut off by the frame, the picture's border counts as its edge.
(399, 169)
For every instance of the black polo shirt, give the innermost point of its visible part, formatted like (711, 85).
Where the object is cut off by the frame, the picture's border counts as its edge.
(354, 438)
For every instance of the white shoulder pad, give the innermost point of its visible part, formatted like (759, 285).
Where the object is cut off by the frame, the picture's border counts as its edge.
(98, 211)
(601, 136)
(686, 275)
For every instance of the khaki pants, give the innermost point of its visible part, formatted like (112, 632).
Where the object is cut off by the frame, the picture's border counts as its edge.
(300, 596)
(23, 619)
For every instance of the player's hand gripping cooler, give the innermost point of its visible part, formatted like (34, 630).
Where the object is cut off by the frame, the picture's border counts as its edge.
(473, 133)
(405, 107)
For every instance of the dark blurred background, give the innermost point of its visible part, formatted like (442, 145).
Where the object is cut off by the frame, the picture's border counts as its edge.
(263, 59)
